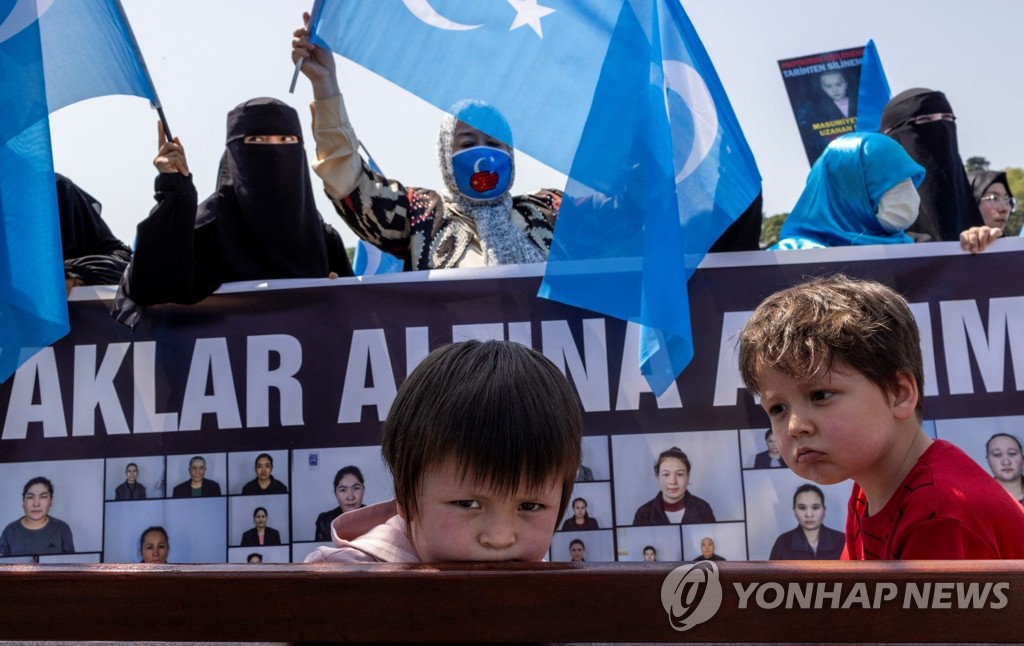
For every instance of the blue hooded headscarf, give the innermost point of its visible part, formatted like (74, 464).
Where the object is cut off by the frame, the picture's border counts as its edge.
(839, 205)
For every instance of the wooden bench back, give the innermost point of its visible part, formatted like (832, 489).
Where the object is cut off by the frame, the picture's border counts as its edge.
(978, 601)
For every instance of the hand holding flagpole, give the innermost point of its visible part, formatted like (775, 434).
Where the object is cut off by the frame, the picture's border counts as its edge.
(310, 20)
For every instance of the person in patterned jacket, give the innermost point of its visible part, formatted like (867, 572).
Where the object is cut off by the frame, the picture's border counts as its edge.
(474, 222)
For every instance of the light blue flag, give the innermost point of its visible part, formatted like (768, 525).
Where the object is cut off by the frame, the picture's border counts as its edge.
(662, 170)
(537, 61)
(52, 53)
(371, 261)
(874, 91)
(619, 95)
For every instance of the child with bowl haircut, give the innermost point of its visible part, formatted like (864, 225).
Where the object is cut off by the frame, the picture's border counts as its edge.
(837, 365)
(483, 443)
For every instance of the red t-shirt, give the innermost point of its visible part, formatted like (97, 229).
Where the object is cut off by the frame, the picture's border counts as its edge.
(946, 508)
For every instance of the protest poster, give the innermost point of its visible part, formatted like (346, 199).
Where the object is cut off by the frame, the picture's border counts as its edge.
(822, 90)
(306, 371)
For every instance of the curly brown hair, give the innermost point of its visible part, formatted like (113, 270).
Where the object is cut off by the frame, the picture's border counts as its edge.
(804, 330)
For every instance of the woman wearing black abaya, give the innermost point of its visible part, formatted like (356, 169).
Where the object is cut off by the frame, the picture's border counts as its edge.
(261, 221)
(92, 253)
(923, 122)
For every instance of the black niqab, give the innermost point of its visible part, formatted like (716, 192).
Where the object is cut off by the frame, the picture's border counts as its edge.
(947, 201)
(92, 253)
(267, 225)
(82, 231)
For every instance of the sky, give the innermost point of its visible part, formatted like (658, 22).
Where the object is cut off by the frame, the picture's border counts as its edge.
(206, 56)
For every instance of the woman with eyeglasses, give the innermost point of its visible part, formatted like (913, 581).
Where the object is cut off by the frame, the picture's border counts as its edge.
(996, 203)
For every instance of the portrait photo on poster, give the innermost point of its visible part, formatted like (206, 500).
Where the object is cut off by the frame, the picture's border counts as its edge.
(589, 508)
(135, 478)
(62, 508)
(322, 486)
(771, 507)
(258, 472)
(994, 443)
(255, 521)
(196, 530)
(260, 555)
(760, 450)
(197, 475)
(636, 543)
(705, 490)
(595, 465)
(822, 91)
(721, 541)
(597, 547)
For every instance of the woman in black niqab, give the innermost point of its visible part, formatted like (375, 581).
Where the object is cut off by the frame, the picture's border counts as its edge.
(947, 203)
(93, 255)
(267, 225)
(260, 223)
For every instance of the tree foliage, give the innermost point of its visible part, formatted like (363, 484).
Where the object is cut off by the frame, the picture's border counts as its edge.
(1015, 176)
(976, 164)
(770, 227)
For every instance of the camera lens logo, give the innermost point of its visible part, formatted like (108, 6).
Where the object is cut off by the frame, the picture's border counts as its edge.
(691, 594)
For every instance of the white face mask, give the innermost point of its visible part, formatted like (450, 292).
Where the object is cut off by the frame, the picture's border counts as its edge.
(897, 209)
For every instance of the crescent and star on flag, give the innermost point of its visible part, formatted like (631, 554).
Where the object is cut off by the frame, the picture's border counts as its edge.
(680, 79)
(528, 14)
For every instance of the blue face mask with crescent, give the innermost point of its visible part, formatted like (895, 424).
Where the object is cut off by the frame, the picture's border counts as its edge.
(482, 173)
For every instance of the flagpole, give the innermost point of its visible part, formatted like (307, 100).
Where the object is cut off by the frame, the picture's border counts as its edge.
(155, 102)
(313, 15)
(369, 159)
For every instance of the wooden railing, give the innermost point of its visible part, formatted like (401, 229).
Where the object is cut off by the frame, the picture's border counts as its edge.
(942, 601)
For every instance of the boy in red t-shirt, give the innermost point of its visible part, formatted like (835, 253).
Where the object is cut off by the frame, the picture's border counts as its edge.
(837, 364)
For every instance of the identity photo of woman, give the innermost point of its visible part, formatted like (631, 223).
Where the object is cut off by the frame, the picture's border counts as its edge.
(992, 442)
(695, 476)
(314, 491)
(770, 501)
(258, 520)
(258, 472)
(590, 507)
(598, 546)
(76, 501)
(195, 529)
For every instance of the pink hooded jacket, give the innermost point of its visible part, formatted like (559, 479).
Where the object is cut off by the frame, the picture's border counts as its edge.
(372, 534)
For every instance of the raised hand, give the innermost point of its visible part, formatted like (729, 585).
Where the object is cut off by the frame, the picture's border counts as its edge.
(170, 156)
(317, 63)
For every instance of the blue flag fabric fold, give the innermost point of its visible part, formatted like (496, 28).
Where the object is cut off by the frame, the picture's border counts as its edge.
(52, 53)
(538, 70)
(643, 229)
(621, 97)
(371, 261)
(874, 90)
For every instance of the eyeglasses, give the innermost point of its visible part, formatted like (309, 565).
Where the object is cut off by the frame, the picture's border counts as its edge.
(1001, 199)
